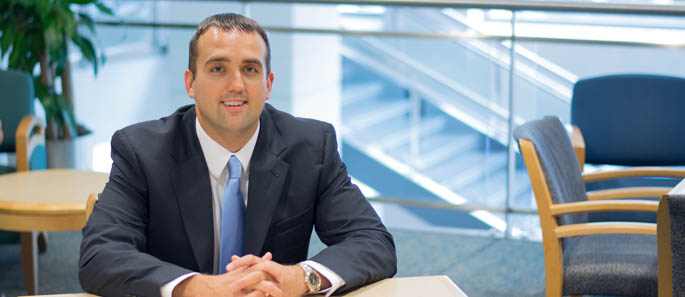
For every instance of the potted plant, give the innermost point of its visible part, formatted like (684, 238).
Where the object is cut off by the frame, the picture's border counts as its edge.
(38, 33)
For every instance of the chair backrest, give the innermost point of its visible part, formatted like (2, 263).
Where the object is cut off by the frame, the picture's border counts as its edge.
(558, 162)
(671, 237)
(623, 116)
(16, 101)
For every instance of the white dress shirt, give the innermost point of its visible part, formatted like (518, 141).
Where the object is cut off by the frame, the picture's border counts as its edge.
(217, 158)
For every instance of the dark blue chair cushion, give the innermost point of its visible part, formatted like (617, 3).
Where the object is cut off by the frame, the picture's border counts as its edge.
(623, 116)
(558, 161)
(611, 264)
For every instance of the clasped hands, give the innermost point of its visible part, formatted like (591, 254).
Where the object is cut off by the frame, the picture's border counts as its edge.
(247, 276)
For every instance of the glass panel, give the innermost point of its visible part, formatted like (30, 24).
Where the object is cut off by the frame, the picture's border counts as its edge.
(419, 96)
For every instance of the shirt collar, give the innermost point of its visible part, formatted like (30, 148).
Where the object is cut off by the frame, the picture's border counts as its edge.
(217, 156)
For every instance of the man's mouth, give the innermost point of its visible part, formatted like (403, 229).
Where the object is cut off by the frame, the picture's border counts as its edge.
(233, 103)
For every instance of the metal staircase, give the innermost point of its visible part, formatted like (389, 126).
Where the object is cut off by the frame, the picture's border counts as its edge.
(429, 115)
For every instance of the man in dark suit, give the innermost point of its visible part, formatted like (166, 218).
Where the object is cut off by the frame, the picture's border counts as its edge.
(159, 226)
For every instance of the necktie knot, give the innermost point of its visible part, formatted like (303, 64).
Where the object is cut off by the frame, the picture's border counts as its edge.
(234, 168)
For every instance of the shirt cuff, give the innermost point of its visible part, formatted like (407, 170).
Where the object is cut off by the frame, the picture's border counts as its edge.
(332, 277)
(168, 288)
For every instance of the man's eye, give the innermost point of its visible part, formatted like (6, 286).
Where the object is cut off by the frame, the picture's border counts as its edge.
(251, 69)
(216, 69)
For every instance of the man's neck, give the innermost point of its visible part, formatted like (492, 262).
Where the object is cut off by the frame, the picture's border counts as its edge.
(233, 142)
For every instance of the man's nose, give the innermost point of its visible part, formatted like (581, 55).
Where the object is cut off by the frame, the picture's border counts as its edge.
(236, 83)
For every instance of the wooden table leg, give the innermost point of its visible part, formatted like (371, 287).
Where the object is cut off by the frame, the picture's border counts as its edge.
(29, 260)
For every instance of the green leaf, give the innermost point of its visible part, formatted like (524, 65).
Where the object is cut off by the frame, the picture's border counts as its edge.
(43, 7)
(66, 21)
(88, 21)
(104, 9)
(81, 2)
(17, 53)
(41, 91)
(68, 121)
(87, 50)
(53, 38)
(9, 34)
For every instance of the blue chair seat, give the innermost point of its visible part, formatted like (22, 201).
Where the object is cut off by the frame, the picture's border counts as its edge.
(611, 264)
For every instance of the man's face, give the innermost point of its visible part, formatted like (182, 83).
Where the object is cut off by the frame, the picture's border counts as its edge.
(230, 84)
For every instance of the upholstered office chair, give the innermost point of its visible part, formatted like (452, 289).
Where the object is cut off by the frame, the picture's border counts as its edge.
(631, 120)
(671, 237)
(609, 258)
(24, 136)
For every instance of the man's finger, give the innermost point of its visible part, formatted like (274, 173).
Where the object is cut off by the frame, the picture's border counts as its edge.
(248, 281)
(266, 288)
(271, 268)
(247, 260)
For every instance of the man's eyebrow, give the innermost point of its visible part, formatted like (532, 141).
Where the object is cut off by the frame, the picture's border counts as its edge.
(217, 59)
(253, 61)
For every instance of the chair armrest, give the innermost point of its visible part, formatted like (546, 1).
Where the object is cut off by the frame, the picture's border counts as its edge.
(30, 134)
(578, 143)
(635, 172)
(90, 204)
(630, 192)
(605, 228)
(604, 205)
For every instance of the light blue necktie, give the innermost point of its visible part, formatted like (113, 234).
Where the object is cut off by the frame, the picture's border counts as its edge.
(232, 216)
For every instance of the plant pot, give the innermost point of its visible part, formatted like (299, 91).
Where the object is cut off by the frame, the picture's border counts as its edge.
(61, 153)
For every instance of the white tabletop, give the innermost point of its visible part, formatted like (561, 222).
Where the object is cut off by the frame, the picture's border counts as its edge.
(434, 286)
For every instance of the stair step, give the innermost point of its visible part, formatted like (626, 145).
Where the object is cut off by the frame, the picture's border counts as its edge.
(376, 113)
(488, 163)
(448, 170)
(354, 93)
(491, 190)
(402, 135)
(455, 145)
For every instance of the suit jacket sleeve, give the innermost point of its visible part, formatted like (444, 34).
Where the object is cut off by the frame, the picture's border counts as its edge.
(360, 249)
(113, 261)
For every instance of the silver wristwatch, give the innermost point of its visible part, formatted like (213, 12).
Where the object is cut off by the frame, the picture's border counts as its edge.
(311, 278)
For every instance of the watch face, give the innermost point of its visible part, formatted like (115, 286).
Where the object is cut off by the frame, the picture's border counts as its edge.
(314, 279)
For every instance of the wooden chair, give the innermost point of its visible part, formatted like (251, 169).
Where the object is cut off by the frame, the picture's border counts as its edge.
(92, 198)
(606, 258)
(24, 136)
(621, 117)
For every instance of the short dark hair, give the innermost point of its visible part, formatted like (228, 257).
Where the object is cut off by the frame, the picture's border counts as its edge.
(227, 22)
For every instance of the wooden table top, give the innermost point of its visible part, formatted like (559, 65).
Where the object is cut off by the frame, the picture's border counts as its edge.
(47, 200)
(49, 191)
(434, 286)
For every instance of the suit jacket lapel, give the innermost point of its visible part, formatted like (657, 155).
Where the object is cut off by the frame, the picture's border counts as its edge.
(190, 180)
(267, 175)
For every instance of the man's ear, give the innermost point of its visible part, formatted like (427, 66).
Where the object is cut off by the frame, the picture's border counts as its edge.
(189, 79)
(269, 84)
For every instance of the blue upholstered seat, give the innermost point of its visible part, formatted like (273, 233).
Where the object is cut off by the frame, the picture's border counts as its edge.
(594, 259)
(615, 264)
(621, 117)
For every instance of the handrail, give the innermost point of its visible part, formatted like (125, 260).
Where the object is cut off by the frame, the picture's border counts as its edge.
(645, 9)
(453, 36)
(515, 5)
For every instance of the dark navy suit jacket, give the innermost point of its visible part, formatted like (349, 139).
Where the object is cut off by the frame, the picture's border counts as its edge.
(154, 222)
